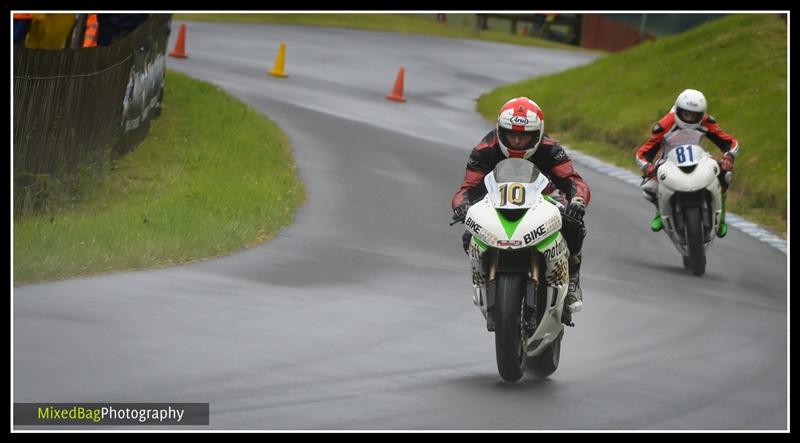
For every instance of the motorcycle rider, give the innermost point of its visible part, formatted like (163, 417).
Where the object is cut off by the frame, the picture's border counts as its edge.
(519, 133)
(686, 123)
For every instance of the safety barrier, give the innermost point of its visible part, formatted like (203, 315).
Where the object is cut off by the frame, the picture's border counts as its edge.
(76, 110)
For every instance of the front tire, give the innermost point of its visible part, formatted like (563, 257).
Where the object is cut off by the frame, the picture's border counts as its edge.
(693, 224)
(508, 330)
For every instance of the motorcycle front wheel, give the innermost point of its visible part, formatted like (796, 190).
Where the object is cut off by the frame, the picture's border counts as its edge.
(693, 224)
(508, 326)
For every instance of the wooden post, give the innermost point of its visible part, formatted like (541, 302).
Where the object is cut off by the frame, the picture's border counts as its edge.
(641, 27)
(482, 22)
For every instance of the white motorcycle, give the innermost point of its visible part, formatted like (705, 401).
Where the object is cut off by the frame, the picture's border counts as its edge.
(519, 268)
(690, 202)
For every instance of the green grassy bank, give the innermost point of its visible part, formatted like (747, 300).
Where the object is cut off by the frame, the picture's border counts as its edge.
(607, 108)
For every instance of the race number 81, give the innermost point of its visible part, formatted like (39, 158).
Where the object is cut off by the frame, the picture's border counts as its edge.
(680, 152)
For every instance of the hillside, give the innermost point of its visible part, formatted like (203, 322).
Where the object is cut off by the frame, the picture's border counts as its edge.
(607, 108)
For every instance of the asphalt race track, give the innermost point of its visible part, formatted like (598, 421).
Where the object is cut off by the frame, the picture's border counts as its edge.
(359, 315)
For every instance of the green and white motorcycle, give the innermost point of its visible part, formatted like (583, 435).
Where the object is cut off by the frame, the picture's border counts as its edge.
(519, 268)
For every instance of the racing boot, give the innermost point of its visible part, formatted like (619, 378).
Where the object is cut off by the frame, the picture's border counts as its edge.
(574, 300)
(722, 231)
(656, 225)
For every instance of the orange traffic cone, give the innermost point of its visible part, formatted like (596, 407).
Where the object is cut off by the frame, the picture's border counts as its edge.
(180, 44)
(279, 70)
(397, 92)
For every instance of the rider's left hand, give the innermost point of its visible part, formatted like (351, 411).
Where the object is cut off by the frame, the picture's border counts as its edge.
(576, 209)
(460, 211)
(726, 163)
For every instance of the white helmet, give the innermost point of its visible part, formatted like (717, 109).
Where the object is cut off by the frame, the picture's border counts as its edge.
(690, 108)
(520, 115)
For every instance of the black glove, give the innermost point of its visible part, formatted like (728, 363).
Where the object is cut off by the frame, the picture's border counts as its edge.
(465, 239)
(576, 209)
(460, 212)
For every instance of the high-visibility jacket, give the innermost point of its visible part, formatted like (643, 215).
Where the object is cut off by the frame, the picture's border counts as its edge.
(90, 36)
(50, 31)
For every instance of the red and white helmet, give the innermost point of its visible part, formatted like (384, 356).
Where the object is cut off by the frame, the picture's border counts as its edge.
(690, 107)
(520, 115)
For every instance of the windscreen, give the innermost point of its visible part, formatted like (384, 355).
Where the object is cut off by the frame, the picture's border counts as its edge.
(515, 170)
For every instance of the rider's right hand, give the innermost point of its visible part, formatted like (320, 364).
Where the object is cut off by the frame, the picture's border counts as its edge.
(650, 169)
(460, 212)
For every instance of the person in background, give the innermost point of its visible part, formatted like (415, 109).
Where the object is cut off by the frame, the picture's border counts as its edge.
(22, 25)
(90, 34)
(112, 27)
(50, 31)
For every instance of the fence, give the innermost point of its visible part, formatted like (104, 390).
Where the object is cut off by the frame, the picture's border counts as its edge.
(600, 32)
(75, 110)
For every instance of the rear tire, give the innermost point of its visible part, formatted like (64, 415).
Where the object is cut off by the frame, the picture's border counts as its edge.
(508, 330)
(693, 224)
(546, 363)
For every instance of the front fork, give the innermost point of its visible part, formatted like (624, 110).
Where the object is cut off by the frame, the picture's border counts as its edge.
(673, 218)
(484, 261)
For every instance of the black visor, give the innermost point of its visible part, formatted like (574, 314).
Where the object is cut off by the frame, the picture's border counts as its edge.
(504, 133)
(690, 117)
